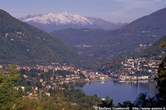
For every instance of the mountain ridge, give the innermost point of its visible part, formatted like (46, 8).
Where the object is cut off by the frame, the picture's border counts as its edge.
(21, 43)
(134, 37)
(56, 21)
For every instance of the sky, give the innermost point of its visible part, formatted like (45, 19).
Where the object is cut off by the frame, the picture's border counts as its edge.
(111, 10)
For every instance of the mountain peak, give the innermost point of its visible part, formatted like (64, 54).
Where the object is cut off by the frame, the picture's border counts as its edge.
(59, 18)
(54, 21)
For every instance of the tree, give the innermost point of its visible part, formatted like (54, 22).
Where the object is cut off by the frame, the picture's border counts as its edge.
(9, 94)
(11, 97)
(161, 81)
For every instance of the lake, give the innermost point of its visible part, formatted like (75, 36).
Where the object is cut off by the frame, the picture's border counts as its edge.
(119, 92)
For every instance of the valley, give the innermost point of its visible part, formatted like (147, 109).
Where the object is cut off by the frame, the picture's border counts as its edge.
(72, 61)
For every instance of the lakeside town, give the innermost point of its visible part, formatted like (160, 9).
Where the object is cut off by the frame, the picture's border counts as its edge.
(136, 69)
(48, 78)
(140, 69)
(56, 76)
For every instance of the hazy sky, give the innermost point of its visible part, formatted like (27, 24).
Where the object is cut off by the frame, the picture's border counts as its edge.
(112, 10)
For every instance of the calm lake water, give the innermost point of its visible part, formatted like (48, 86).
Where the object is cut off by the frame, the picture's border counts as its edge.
(119, 92)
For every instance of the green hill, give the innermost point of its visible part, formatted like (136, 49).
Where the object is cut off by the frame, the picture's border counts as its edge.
(21, 43)
(158, 48)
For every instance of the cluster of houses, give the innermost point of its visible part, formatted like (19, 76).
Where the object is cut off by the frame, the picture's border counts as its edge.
(75, 71)
(139, 69)
(47, 78)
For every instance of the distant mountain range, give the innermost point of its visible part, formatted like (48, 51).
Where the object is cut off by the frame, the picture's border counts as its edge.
(21, 43)
(103, 44)
(57, 21)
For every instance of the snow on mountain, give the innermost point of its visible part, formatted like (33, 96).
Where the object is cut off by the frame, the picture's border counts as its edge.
(53, 21)
(59, 18)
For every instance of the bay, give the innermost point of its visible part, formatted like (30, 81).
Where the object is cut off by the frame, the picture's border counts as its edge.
(119, 92)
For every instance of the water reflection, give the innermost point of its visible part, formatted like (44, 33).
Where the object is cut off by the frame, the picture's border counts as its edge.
(118, 91)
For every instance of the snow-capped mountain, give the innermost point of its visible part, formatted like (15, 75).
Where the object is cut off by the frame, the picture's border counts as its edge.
(53, 21)
(59, 18)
